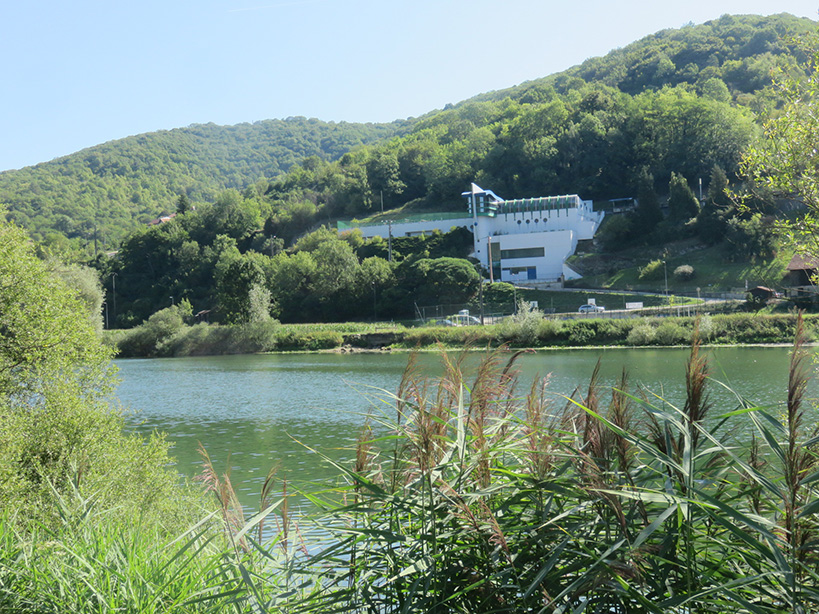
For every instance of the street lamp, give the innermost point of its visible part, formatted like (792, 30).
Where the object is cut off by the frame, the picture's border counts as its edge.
(665, 273)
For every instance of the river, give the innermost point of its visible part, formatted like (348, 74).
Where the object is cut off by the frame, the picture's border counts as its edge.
(264, 411)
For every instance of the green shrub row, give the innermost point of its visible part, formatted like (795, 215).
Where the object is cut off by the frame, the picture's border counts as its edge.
(167, 335)
(537, 331)
(151, 340)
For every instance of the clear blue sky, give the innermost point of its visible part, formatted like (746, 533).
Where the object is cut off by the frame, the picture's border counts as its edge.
(76, 74)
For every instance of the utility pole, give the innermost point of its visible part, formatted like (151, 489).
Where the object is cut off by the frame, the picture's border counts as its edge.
(389, 242)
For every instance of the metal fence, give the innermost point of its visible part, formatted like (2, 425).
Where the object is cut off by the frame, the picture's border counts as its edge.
(446, 314)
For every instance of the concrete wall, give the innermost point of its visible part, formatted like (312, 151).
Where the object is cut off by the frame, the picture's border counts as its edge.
(408, 229)
(556, 230)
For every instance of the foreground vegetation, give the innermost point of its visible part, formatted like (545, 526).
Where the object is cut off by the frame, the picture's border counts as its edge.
(166, 334)
(470, 495)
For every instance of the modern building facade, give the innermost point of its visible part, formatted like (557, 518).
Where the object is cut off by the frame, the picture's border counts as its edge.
(525, 240)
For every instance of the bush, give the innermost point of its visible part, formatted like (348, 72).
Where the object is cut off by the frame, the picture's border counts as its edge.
(684, 272)
(671, 333)
(521, 329)
(59, 439)
(642, 334)
(212, 339)
(580, 332)
(151, 338)
(653, 270)
(290, 339)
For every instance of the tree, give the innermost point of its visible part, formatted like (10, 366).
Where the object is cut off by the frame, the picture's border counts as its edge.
(648, 213)
(384, 177)
(57, 433)
(86, 284)
(290, 280)
(715, 211)
(750, 239)
(44, 329)
(183, 204)
(336, 268)
(236, 277)
(786, 161)
(682, 204)
(437, 280)
(372, 278)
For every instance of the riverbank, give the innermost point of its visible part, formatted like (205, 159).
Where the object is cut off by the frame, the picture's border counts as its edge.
(527, 330)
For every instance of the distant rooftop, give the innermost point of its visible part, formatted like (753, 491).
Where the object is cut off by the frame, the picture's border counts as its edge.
(541, 203)
(490, 204)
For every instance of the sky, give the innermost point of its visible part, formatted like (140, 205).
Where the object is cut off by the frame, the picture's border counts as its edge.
(76, 74)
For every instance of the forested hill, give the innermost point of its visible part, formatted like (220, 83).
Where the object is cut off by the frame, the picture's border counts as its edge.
(114, 187)
(679, 101)
(739, 50)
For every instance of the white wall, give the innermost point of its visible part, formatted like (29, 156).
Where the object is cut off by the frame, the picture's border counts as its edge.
(403, 229)
(556, 230)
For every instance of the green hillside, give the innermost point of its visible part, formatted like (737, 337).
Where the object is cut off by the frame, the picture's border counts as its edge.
(115, 187)
(589, 130)
(679, 100)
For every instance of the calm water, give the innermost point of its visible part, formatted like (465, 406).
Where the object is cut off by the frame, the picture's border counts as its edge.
(263, 411)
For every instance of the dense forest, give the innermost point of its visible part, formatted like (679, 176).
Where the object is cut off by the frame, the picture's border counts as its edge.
(650, 121)
(95, 196)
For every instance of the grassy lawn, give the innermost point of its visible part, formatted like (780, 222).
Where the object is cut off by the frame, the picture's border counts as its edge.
(712, 272)
(564, 302)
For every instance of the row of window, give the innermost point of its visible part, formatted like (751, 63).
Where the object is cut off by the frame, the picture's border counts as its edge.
(524, 252)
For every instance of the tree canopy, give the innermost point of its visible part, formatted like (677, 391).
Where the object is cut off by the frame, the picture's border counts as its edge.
(58, 435)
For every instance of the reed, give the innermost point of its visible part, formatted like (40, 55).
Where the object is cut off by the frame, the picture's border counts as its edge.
(507, 502)
(474, 494)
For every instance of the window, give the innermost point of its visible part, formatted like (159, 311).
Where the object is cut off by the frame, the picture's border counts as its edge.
(526, 252)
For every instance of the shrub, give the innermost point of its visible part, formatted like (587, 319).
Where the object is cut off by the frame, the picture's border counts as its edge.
(653, 270)
(150, 338)
(212, 339)
(59, 438)
(642, 334)
(671, 333)
(290, 339)
(549, 330)
(684, 272)
(521, 329)
(580, 332)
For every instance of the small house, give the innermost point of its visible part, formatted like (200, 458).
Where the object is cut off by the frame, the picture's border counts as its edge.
(802, 274)
(761, 294)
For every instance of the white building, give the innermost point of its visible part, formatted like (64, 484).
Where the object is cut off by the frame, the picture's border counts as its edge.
(526, 239)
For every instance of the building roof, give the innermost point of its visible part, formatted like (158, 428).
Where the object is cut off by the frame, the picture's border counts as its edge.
(803, 262)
